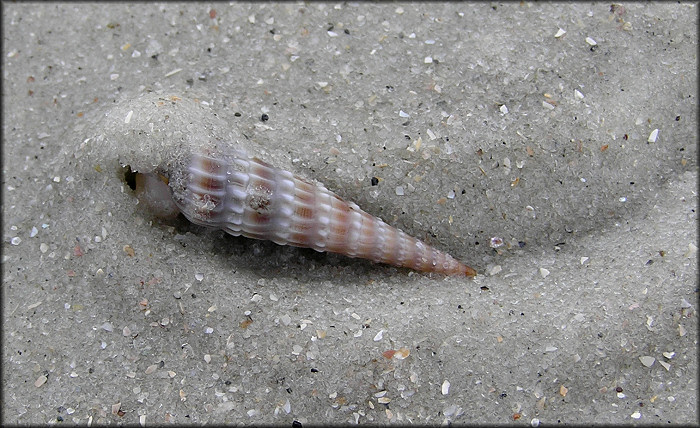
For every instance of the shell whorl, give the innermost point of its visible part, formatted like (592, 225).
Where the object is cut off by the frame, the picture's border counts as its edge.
(246, 196)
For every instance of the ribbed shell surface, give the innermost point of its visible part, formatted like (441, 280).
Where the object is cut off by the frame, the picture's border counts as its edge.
(246, 196)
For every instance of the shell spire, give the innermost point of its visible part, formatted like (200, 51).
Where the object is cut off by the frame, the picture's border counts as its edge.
(246, 196)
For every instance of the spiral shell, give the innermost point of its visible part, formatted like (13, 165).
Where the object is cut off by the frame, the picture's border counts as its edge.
(189, 160)
(246, 196)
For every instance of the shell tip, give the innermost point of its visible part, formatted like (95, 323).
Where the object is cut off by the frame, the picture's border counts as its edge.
(469, 272)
